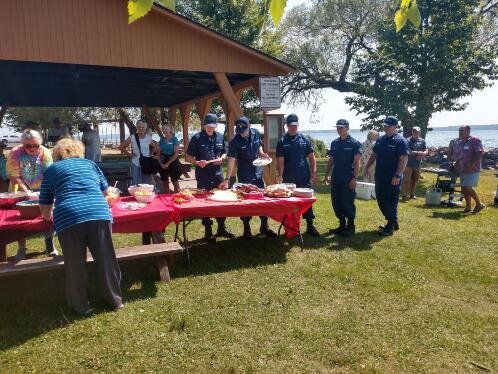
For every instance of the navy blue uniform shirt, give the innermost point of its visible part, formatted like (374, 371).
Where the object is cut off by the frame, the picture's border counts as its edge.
(295, 150)
(204, 147)
(245, 150)
(343, 152)
(388, 151)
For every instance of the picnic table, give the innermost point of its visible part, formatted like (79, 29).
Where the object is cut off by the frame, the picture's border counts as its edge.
(153, 218)
(161, 211)
(286, 211)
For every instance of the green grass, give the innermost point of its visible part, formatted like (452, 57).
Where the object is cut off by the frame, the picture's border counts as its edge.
(423, 300)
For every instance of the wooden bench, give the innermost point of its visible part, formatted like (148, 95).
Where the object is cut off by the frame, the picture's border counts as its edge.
(162, 251)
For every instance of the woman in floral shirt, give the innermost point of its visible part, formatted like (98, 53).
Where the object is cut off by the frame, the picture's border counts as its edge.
(25, 167)
(367, 152)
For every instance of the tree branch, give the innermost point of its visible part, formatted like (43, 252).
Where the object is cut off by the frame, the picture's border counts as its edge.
(3, 110)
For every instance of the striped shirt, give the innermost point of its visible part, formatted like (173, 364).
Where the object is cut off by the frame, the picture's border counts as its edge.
(76, 184)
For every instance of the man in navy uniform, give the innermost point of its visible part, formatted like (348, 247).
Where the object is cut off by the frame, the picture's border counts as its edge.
(391, 153)
(344, 156)
(245, 147)
(293, 152)
(205, 146)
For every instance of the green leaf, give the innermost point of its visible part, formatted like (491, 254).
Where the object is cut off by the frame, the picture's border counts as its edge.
(170, 4)
(400, 19)
(276, 8)
(138, 8)
(414, 14)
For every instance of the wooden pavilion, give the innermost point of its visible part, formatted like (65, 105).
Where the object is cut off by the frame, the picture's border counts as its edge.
(68, 53)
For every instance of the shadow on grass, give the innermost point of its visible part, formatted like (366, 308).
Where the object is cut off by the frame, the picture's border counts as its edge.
(451, 213)
(34, 304)
(231, 254)
(361, 241)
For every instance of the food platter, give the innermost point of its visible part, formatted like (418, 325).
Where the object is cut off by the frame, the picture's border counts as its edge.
(262, 161)
(131, 205)
(278, 191)
(223, 196)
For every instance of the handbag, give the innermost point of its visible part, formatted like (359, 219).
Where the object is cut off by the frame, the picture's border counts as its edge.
(149, 165)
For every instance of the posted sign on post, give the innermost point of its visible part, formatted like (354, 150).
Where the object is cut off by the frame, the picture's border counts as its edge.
(269, 92)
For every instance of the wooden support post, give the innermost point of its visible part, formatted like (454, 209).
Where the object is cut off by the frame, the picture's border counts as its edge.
(121, 131)
(203, 107)
(128, 122)
(228, 94)
(185, 115)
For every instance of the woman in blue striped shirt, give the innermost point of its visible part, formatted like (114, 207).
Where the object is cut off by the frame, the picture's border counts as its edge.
(82, 220)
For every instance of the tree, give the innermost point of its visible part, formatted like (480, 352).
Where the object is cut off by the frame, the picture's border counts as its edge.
(418, 72)
(411, 74)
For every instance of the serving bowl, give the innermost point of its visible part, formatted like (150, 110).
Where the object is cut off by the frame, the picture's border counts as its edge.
(29, 209)
(303, 192)
(144, 196)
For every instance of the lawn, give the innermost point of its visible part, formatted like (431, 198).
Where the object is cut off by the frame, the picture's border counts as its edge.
(423, 300)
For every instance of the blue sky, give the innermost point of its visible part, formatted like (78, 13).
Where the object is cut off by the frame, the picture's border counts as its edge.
(480, 111)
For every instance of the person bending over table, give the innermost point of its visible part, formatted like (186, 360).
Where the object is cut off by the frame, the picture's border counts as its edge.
(293, 150)
(207, 151)
(26, 166)
(82, 219)
(245, 147)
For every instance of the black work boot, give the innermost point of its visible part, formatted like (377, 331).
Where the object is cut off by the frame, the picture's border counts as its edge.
(349, 230)
(208, 234)
(247, 231)
(341, 228)
(265, 230)
(388, 229)
(395, 226)
(223, 232)
(311, 230)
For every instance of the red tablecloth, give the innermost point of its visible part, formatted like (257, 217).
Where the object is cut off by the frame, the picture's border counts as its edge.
(289, 209)
(154, 217)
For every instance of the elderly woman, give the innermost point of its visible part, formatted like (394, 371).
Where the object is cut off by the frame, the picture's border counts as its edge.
(26, 166)
(367, 152)
(82, 220)
(141, 144)
(168, 159)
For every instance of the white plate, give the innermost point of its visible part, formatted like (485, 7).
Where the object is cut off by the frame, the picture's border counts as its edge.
(262, 161)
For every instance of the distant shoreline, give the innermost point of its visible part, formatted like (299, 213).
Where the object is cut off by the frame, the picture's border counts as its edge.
(431, 129)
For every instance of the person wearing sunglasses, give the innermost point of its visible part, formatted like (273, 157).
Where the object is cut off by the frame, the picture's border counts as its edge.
(26, 165)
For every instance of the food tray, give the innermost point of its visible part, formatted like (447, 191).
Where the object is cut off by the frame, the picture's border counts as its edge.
(262, 161)
(303, 192)
(29, 209)
(253, 195)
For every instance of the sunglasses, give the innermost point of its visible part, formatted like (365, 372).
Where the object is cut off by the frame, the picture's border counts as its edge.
(31, 146)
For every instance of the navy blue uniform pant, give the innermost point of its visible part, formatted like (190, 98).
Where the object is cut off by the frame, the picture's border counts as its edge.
(343, 200)
(308, 215)
(387, 198)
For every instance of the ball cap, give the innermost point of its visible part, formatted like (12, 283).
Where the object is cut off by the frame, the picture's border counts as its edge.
(292, 120)
(241, 125)
(342, 123)
(391, 121)
(416, 128)
(210, 120)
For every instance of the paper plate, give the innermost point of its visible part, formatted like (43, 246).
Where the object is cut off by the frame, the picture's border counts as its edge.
(262, 161)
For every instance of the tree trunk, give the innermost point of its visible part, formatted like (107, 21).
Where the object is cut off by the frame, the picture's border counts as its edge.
(3, 111)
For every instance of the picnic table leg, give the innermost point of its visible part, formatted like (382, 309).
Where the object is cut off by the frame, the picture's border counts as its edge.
(162, 264)
(146, 238)
(185, 241)
(3, 252)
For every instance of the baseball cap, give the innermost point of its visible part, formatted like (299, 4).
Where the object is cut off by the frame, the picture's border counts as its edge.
(292, 120)
(210, 120)
(416, 128)
(391, 121)
(241, 125)
(342, 123)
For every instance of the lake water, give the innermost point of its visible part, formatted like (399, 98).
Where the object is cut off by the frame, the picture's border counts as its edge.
(437, 137)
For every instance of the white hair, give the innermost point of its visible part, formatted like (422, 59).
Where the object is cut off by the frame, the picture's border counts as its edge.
(31, 135)
(141, 122)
